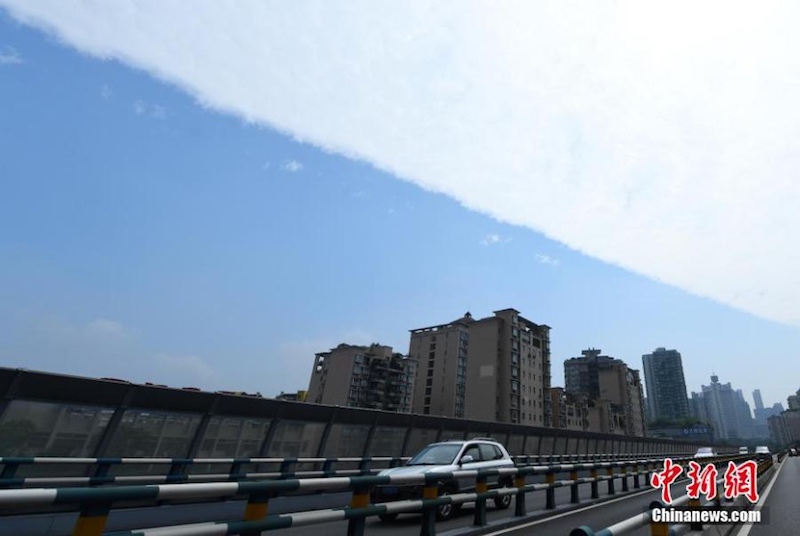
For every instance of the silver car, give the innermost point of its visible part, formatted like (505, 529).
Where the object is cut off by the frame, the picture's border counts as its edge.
(705, 452)
(446, 457)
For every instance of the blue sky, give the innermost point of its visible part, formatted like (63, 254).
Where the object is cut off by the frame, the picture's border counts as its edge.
(148, 236)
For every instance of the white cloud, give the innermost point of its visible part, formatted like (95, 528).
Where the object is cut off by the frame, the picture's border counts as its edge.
(547, 259)
(491, 239)
(9, 55)
(102, 327)
(293, 166)
(660, 137)
(156, 111)
(106, 92)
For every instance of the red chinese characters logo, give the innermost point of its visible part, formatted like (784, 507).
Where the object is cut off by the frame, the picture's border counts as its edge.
(702, 481)
(738, 480)
(741, 480)
(665, 478)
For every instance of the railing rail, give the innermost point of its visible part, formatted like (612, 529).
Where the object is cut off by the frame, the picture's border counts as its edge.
(96, 503)
(178, 470)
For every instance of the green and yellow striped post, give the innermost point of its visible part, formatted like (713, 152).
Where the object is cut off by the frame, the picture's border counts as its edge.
(550, 478)
(519, 507)
(92, 520)
(610, 473)
(430, 491)
(595, 484)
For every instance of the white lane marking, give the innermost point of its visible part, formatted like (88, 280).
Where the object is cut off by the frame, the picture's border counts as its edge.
(571, 512)
(745, 530)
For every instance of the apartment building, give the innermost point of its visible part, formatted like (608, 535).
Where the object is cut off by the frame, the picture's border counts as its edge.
(666, 385)
(495, 368)
(568, 411)
(373, 377)
(603, 378)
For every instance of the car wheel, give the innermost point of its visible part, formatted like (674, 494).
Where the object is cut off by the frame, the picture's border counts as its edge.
(446, 511)
(387, 517)
(504, 501)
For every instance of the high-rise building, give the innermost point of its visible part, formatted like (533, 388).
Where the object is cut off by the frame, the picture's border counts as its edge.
(757, 399)
(372, 377)
(726, 410)
(495, 369)
(600, 377)
(666, 386)
(744, 417)
(794, 400)
(778, 431)
(697, 408)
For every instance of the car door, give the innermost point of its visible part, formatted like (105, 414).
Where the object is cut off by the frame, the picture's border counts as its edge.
(476, 464)
(492, 458)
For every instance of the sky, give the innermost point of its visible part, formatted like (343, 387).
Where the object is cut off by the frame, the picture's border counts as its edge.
(203, 195)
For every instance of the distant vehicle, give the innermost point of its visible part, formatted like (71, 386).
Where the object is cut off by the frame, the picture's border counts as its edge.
(705, 452)
(763, 451)
(792, 451)
(446, 457)
(744, 450)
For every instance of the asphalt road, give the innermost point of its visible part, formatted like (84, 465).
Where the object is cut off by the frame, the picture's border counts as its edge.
(781, 509)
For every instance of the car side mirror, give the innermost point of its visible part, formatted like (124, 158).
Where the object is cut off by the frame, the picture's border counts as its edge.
(467, 459)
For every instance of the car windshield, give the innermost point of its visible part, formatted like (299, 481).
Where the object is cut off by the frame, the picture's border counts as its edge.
(436, 455)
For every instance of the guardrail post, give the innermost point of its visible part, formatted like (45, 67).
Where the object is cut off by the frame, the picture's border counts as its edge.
(694, 504)
(481, 486)
(519, 501)
(287, 466)
(573, 489)
(9, 470)
(610, 473)
(430, 491)
(177, 470)
(92, 520)
(364, 465)
(327, 467)
(257, 508)
(658, 529)
(550, 478)
(594, 484)
(636, 470)
(236, 469)
(355, 526)
(624, 477)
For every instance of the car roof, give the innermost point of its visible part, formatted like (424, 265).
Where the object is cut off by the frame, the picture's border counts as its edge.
(476, 440)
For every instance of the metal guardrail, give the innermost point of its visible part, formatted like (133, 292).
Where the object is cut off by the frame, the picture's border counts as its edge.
(96, 503)
(663, 529)
(177, 469)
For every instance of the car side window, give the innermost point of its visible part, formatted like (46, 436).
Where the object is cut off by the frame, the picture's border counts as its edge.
(473, 451)
(488, 452)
